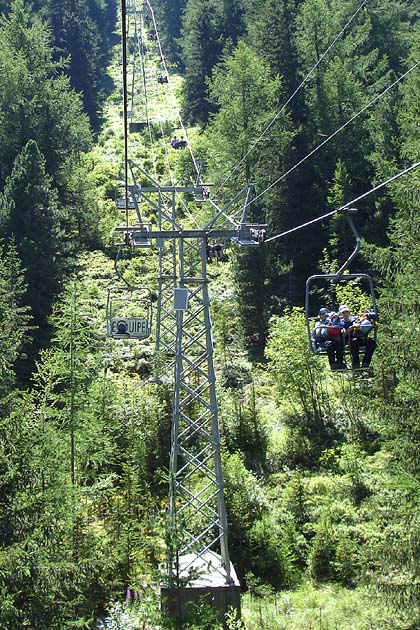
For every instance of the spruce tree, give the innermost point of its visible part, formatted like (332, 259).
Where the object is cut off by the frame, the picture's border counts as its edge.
(76, 35)
(246, 95)
(202, 46)
(32, 219)
(35, 98)
(14, 315)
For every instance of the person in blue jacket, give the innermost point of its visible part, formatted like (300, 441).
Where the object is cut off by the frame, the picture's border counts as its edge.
(356, 335)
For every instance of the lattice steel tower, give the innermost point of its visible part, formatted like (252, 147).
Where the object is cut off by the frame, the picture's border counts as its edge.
(198, 554)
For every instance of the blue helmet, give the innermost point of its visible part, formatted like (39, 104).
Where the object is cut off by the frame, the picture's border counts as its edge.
(365, 327)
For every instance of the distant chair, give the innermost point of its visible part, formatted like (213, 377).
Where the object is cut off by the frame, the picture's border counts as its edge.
(178, 143)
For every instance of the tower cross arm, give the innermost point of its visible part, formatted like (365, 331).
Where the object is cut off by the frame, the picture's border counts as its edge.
(184, 234)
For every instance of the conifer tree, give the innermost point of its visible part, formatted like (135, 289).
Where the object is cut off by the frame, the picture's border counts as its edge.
(234, 20)
(273, 34)
(35, 98)
(202, 46)
(31, 216)
(76, 35)
(169, 17)
(14, 315)
(246, 95)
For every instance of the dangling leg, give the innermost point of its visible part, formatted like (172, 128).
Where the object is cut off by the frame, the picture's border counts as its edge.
(370, 349)
(330, 347)
(354, 350)
(339, 351)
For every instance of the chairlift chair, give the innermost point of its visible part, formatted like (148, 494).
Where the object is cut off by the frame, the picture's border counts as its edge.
(250, 234)
(129, 312)
(136, 127)
(123, 205)
(319, 282)
(178, 143)
(201, 192)
(140, 236)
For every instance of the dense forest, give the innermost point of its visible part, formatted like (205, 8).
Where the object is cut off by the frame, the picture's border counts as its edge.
(322, 468)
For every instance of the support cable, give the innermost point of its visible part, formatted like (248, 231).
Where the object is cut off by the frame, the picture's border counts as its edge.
(291, 97)
(140, 46)
(171, 88)
(125, 117)
(133, 74)
(337, 131)
(143, 72)
(347, 205)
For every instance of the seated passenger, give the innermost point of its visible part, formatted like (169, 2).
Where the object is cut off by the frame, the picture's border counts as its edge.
(181, 143)
(320, 330)
(209, 252)
(257, 235)
(328, 336)
(218, 250)
(205, 192)
(356, 334)
(178, 143)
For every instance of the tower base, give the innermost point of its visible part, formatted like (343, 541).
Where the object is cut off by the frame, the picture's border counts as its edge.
(202, 579)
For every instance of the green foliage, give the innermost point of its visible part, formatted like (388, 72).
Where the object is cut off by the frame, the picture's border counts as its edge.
(14, 317)
(322, 554)
(272, 556)
(353, 296)
(300, 383)
(241, 425)
(33, 221)
(325, 607)
(36, 101)
(273, 36)
(82, 35)
(246, 95)
(46, 204)
(210, 28)
(322, 470)
(169, 14)
(201, 51)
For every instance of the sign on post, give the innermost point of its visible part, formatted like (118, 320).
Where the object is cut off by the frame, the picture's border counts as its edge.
(129, 328)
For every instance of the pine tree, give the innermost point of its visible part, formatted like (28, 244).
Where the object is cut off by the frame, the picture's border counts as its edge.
(397, 407)
(32, 218)
(76, 35)
(246, 95)
(14, 315)
(169, 15)
(273, 34)
(202, 46)
(234, 20)
(35, 98)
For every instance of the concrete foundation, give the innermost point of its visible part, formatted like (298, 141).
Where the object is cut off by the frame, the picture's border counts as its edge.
(201, 579)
